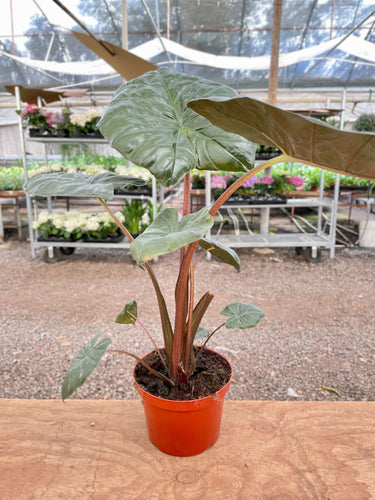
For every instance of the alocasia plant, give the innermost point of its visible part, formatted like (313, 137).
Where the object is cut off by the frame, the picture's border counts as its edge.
(151, 121)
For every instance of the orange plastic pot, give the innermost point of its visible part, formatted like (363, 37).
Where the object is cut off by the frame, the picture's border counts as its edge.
(183, 428)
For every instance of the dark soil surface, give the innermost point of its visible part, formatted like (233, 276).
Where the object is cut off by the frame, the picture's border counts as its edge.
(211, 373)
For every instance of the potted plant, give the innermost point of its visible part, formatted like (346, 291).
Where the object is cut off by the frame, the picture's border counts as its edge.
(150, 122)
(59, 227)
(136, 214)
(84, 124)
(73, 226)
(36, 119)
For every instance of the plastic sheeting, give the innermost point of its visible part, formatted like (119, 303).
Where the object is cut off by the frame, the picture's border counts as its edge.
(230, 40)
(352, 45)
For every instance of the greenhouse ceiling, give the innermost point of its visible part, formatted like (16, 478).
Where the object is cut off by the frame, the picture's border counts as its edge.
(323, 43)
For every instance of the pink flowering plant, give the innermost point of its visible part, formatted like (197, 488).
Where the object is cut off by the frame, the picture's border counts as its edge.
(34, 117)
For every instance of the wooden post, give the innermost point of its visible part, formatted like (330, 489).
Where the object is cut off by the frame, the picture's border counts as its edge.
(275, 49)
(272, 89)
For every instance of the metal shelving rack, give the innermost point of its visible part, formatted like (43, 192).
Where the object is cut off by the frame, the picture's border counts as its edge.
(309, 242)
(32, 206)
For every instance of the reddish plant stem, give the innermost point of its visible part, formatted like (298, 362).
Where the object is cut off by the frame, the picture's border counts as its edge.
(186, 208)
(208, 338)
(115, 219)
(150, 337)
(157, 374)
(188, 342)
(182, 287)
(180, 318)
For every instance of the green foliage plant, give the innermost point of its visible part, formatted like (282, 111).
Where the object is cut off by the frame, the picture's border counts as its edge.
(137, 215)
(150, 121)
(12, 178)
(365, 123)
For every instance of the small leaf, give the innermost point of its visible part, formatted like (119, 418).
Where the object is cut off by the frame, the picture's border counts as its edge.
(222, 252)
(167, 233)
(83, 365)
(202, 333)
(64, 184)
(129, 314)
(242, 315)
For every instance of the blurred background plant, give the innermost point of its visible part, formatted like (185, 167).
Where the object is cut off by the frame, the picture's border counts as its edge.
(365, 123)
(137, 215)
(75, 225)
(11, 178)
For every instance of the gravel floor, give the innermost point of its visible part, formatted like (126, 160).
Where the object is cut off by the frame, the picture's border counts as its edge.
(318, 330)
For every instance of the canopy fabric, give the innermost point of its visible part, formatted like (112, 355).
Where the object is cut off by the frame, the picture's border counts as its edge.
(351, 45)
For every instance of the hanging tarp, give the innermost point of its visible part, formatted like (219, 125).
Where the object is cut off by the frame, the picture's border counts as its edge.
(352, 45)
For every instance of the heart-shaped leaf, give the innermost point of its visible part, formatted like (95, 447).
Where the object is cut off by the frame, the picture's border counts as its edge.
(149, 123)
(202, 333)
(129, 314)
(242, 315)
(222, 252)
(166, 233)
(303, 140)
(64, 184)
(83, 365)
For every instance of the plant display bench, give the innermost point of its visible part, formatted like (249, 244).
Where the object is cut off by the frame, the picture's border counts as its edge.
(11, 199)
(53, 248)
(100, 449)
(309, 242)
(323, 235)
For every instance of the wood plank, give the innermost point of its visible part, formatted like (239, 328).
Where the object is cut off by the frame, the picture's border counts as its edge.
(291, 450)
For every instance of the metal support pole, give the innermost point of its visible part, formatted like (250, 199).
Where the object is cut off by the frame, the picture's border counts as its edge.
(24, 164)
(154, 198)
(337, 185)
(124, 33)
(272, 91)
(45, 158)
(207, 199)
(320, 208)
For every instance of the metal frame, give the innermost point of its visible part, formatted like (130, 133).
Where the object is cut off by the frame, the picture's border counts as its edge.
(316, 240)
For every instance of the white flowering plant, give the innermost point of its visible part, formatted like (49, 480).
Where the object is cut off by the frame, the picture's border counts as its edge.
(70, 169)
(85, 122)
(76, 225)
(101, 225)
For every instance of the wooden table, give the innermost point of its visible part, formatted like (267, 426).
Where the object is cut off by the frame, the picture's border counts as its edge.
(100, 450)
(11, 199)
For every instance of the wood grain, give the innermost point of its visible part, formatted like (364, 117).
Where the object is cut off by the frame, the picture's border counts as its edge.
(266, 450)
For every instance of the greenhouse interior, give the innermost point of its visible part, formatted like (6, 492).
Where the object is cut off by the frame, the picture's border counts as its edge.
(140, 142)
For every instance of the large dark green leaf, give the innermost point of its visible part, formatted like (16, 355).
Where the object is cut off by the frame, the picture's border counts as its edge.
(64, 184)
(307, 141)
(149, 123)
(222, 252)
(83, 365)
(242, 315)
(167, 233)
